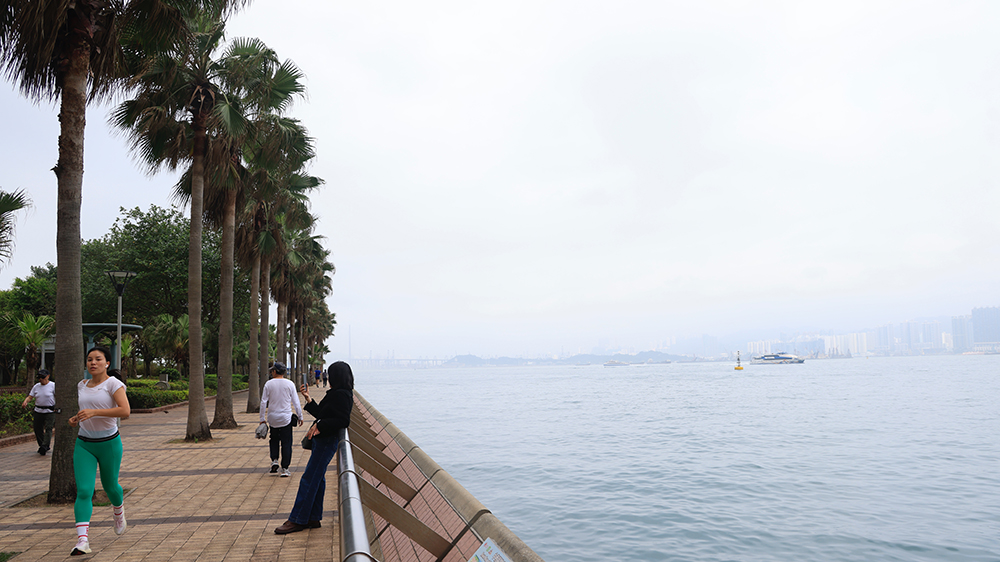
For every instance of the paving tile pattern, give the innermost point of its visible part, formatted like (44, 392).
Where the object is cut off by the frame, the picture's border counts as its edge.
(429, 506)
(207, 502)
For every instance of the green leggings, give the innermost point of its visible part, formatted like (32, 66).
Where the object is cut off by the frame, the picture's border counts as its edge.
(86, 458)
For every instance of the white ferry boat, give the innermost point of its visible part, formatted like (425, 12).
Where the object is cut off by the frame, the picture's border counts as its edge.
(776, 358)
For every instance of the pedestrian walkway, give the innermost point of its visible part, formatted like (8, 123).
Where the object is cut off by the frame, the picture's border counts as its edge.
(211, 501)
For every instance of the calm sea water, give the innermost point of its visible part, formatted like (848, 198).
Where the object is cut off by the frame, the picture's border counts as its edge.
(874, 459)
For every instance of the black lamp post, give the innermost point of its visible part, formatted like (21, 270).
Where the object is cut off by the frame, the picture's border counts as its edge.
(119, 279)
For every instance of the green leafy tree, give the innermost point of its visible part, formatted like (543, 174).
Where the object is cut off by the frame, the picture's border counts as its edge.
(153, 244)
(35, 295)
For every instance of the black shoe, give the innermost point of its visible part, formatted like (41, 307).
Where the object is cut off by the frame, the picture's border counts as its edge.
(314, 525)
(289, 527)
(41, 451)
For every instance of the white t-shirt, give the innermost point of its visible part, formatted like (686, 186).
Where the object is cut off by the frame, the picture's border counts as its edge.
(278, 397)
(101, 397)
(45, 395)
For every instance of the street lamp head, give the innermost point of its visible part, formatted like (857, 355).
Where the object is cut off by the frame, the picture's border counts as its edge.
(119, 279)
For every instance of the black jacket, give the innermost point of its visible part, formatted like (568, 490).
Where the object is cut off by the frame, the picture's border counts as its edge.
(333, 411)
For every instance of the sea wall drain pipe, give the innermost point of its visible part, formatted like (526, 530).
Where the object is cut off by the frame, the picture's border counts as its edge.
(353, 532)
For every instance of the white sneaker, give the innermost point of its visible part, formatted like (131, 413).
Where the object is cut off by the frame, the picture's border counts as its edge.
(82, 547)
(120, 523)
(285, 473)
(274, 466)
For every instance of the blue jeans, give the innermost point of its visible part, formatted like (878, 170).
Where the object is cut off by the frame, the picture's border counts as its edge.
(312, 486)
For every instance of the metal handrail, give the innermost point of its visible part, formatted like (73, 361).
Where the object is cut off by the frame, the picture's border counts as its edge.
(353, 531)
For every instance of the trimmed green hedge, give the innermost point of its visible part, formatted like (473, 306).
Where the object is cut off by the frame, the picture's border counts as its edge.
(141, 398)
(141, 393)
(142, 383)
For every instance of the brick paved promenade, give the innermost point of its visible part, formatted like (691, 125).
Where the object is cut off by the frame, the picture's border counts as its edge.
(189, 502)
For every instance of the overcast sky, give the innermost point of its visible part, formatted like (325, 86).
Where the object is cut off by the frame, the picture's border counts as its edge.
(518, 178)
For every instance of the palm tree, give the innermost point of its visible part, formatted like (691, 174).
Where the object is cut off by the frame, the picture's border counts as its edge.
(252, 72)
(51, 48)
(276, 200)
(258, 86)
(33, 331)
(128, 355)
(304, 283)
(69, 50)
(10, 203)
(178, 99)
(168, 336)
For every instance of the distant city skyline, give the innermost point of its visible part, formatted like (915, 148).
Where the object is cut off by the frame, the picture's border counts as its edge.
(911, 337)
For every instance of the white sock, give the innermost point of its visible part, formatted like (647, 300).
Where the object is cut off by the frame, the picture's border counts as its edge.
(119, 509)
(81, 529)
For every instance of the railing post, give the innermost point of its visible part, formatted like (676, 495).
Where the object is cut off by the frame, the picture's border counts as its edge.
(354, 545)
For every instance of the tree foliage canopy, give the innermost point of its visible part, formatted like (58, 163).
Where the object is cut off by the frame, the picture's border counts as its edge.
(154, 244)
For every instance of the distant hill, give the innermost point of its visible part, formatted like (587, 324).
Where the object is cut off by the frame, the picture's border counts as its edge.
(642, 357)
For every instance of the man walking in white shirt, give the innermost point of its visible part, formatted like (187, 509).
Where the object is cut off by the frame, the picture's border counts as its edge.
(44, 395)
(280, 402)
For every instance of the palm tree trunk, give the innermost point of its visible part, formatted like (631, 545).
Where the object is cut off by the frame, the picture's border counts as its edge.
(68, 365)
(265, 305)
(291, 345)
(197, 422)
(304, 345)
(253, 398)
(281, 332)
(224, 418)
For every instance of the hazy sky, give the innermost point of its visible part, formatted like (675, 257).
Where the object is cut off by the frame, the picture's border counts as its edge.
(529, 177)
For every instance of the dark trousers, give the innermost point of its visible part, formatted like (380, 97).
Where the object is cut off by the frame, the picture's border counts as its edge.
(282, 437)
(43, 429)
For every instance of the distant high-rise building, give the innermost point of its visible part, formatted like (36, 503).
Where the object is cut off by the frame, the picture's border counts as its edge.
(930, 336)
(909, 338)
(846, 345)
(961, 333)
(986, 328)
(881, 340)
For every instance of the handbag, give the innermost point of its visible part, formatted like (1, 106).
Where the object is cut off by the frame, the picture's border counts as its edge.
(307, 442)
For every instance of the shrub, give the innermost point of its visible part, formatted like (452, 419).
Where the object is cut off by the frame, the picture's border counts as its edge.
(212, 383)
(14, 419)
(171, 374)
(180, 384)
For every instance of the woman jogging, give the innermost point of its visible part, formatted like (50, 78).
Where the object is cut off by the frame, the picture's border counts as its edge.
(332, 414)
(102, 399)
